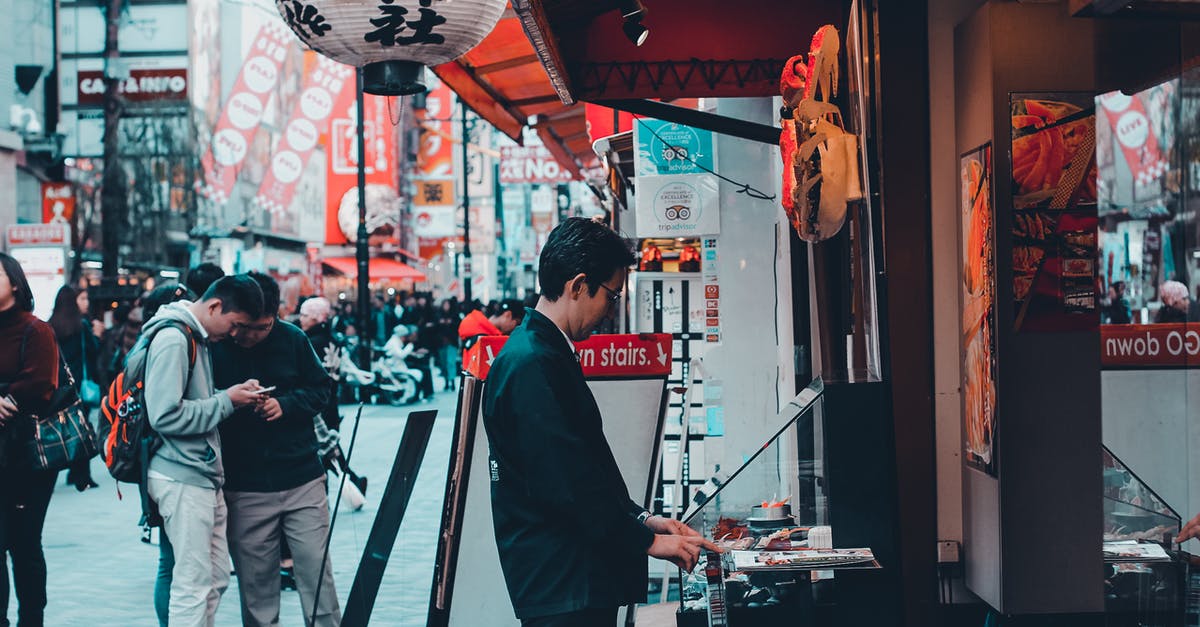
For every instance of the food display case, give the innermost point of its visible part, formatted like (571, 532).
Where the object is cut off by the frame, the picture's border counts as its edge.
(1145, 580)
(771, 518)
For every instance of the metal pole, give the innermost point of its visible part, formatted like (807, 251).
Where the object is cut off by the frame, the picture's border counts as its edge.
(364, 294)
(113, 195)
(466, 138)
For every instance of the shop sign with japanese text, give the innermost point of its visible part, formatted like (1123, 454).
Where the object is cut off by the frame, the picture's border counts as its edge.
(668, 148)
(678, 206)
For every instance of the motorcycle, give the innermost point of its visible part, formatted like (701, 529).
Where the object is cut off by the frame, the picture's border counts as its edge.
(384, 382)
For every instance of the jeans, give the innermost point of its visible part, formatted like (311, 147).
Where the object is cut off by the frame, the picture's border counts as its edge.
(24, 498)
(162, 583)
(448, 363)
(194, 518)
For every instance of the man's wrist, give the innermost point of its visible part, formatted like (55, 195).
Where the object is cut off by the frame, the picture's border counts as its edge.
(644, 516)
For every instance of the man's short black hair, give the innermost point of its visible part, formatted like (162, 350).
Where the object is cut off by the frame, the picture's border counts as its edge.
(270, 292)
(237, 293)
(200, 278)
(581, 246)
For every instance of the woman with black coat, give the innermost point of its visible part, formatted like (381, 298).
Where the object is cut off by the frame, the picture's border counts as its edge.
(80, 349)
(28, 378)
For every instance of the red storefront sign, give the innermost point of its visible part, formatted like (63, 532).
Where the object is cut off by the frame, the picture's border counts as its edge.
(341, 163)
(300, 136)
(243, 111)
(530, 164)
(1150, 345)
(435, 156)
(58, 203)
(145, 85)
(645, 355)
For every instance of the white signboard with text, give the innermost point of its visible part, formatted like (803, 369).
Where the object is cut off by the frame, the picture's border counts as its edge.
(678, 205)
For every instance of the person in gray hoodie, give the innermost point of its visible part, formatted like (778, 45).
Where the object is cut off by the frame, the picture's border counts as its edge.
(185, 475)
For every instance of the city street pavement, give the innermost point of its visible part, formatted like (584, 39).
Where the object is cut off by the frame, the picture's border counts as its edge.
(100, 573)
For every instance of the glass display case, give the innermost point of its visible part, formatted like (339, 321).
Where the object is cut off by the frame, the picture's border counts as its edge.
(771, 518)
(1145, 579)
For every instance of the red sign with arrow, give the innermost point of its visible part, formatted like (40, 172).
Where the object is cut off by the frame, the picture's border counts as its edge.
(643, 355)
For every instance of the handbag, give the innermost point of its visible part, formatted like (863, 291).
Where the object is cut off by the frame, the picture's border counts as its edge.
(62, 435)
(89, 391)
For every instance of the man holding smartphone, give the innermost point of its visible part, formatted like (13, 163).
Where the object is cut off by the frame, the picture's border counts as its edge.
(274, 478)
(183, 406)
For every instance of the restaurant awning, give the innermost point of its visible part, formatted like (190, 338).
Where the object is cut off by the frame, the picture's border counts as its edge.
(695, 48)
(379, 268)
(503, 81)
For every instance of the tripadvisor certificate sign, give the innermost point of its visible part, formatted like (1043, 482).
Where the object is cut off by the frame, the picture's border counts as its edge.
(678, 206)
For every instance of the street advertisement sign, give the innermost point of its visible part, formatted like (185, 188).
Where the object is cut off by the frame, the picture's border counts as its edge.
(244, 110)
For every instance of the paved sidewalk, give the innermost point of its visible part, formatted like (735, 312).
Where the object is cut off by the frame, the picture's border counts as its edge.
(100, 573)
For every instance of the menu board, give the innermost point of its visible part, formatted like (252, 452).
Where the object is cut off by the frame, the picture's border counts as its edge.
(978, 308)
(1054, 212)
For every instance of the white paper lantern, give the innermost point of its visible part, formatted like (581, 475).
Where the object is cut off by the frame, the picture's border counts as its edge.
(391, 40)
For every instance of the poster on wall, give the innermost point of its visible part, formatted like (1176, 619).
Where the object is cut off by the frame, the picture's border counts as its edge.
(977, 220)
(678, 206)
(1054, 212)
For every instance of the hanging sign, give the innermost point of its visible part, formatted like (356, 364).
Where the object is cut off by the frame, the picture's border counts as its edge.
(300, 135)
(341, 169)
(668, 148)
(678, 206)
(1135, 135)
(243, 111)
(435, 155)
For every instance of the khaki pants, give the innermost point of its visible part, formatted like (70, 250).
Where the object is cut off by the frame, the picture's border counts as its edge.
(194, 518)
(257, 520)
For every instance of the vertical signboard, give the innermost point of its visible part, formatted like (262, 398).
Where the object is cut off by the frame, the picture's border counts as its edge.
(341, 172)
(243, 111)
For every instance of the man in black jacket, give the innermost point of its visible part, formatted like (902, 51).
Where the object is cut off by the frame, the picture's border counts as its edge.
(572, 543)
(274, 478)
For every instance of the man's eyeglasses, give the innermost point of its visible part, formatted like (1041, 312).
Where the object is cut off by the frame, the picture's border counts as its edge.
(613, 296)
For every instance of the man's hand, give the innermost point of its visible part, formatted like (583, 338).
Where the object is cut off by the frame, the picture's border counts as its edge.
(270, 409)
(682, 551)
(669, 526)
(1190, 530)
(8, 409)
(242, 394)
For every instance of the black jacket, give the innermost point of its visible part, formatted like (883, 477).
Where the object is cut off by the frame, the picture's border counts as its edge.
(565, 526)
(328, 353)
(263, 456)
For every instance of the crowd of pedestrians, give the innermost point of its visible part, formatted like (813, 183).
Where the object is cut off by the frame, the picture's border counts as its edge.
(242, 396)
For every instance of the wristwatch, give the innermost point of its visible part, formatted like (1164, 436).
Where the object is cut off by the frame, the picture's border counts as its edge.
(644, 516)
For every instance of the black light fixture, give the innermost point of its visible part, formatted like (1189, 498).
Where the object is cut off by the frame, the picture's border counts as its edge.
(632, 13)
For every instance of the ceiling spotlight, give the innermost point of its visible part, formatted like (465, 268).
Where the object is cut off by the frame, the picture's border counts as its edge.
(635, 31)
(632, 13)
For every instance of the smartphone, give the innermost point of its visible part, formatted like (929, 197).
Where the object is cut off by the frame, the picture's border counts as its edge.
(263, 390)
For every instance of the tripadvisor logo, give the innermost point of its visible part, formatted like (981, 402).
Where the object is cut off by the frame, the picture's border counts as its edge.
(677, 207)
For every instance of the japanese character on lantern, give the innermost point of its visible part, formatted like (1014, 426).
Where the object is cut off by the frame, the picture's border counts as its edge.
(393, 22)
(305, 19)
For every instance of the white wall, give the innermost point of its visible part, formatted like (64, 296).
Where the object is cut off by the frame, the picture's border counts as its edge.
(944, 15)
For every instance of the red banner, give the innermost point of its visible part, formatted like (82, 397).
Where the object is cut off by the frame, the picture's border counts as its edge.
(244, 110)
(1150, 345)
(309, 117)
(435, 159)
(341, 166)
(1134, 134)
(645, 355)
(58, 203)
